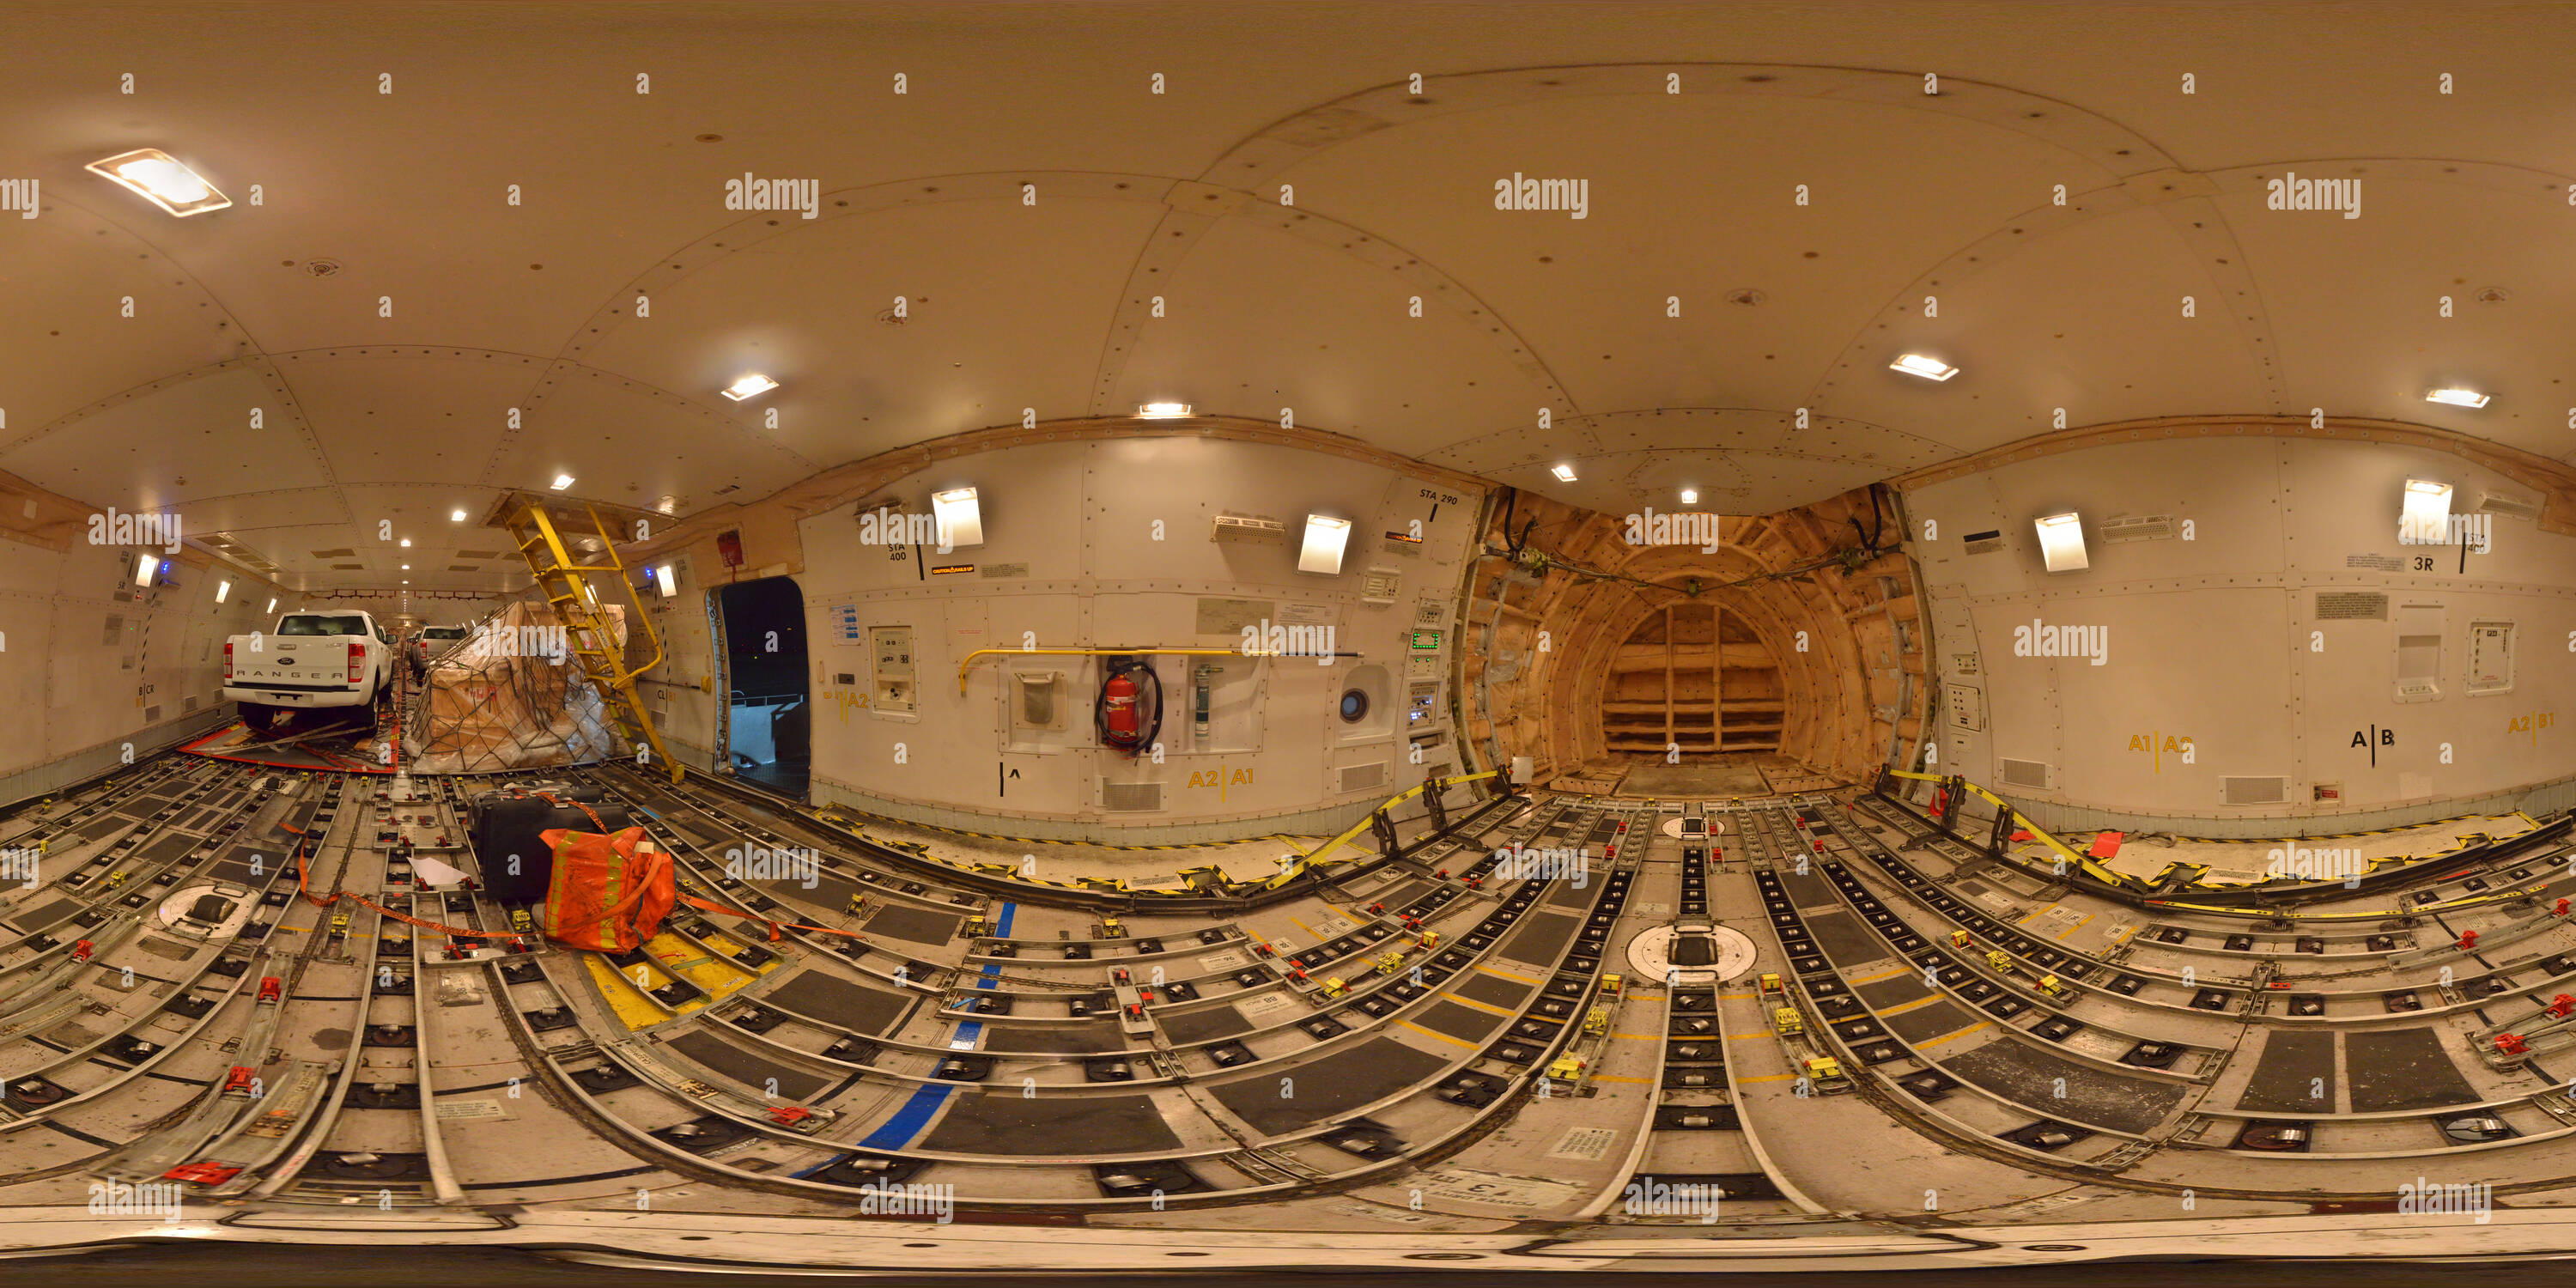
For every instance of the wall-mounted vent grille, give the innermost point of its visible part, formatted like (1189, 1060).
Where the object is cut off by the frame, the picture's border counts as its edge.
(188, 706)
(1243, 527)
(333, 554)
(1132, 798)
(1361, 778)
(2351, 606)
(2036, 774)
(2270, 790)
(2508, 505)
(348, 567)
(1984, 543)
(151, 714)
(115, 629)
(478, 554)
(464, 567)
(2137, 527)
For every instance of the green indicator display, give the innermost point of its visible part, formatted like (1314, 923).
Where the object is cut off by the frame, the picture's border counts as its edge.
(1426, 639)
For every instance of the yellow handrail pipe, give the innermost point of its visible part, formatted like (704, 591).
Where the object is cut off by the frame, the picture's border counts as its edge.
(968, 664)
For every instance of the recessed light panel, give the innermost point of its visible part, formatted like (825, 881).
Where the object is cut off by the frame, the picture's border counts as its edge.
(159, 178)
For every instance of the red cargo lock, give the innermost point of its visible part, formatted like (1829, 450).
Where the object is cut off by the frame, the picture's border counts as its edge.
(82, 950)
(789, 1115)
(2511, 1044)
(202, 1173)
(271, 988)
(239, 1079)
(2468, 940)
(2561, 1005)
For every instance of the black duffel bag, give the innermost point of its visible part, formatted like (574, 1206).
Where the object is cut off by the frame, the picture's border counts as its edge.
(514, 863)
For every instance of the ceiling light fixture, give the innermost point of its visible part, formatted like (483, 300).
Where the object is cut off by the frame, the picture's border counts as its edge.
(2426, 520)
(2061, 543)
(752, 385)
(1915, 364)
(1325, 539)
(272, 603)
(406, 543)
(456, 516)
(668, 580)
(1563, 473)
(1690, 496)
(958, 518)
(1164, 410)
(159, 178)
(143, 570)
(562, 481)
(2457, 397)
(223, 591)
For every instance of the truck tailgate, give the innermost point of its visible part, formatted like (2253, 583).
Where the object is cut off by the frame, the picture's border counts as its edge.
(306, 661)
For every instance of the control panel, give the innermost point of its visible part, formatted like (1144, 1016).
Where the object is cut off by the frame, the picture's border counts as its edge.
(1426, 665)
(891, 647)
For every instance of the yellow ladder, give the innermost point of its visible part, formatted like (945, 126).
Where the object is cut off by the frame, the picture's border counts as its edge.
(570, 592)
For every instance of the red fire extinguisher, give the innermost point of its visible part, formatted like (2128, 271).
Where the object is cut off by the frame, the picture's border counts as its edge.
(1130, 711)
(1118, 712)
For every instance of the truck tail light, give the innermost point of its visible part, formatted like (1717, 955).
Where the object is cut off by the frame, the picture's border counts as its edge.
(228, 661)
(357, 662)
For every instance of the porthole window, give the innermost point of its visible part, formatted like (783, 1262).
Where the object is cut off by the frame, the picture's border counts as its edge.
(1355, 705)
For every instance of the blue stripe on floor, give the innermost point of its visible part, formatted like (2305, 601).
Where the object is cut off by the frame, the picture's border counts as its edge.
(896, 1132)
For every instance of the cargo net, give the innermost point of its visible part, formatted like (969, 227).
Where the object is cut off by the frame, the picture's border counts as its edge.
(511, 696)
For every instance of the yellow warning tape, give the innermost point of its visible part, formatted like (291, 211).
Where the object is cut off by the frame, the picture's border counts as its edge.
(1307, 861)
(833, 814)
(2100, 873)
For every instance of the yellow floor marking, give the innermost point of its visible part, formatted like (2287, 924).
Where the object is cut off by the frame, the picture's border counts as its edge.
(1885, 974)
(1757, 1033)
(1486, 1007)
(1768, 1077)
(1430, 1034)
(1310, 930)
(1510, 975)
(631, 1007)
(1638, 1037)
(1738, 997)
(2088, 920)
(715, 975)
(1916, 1004)
(1981, 1024)
(2034, 916)
(1618, 1077)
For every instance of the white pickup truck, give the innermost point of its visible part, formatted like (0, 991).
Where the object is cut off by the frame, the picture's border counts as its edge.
(312, 659)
